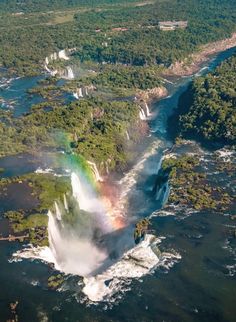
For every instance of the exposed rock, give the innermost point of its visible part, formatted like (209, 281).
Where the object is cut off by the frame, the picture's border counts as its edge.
(151, 94)
(193, 63)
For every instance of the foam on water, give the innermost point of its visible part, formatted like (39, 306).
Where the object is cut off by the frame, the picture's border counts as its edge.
(135, 263)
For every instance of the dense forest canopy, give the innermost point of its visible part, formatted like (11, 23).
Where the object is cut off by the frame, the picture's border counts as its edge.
(211, 114)
(36, 5)
(26, 39)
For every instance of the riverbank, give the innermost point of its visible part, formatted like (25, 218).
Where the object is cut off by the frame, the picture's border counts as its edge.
(193, 63)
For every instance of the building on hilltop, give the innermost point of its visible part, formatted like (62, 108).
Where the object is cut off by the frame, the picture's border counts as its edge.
(172, 25)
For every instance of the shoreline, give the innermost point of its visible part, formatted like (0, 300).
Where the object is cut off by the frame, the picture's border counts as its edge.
(183, 68)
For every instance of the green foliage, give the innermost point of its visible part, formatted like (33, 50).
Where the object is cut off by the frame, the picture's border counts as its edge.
(96, 129)
(48, 188)
(212, 113)
(14, 216)
(190, 186)
(55, 281)
(27, 39)
(127, 77)
(31, 222)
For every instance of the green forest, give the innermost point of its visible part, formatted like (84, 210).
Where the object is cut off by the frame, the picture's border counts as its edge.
(28, 37)
(209, 106)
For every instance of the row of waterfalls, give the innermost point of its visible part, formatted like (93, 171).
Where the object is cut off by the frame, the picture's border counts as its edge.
(144, 112)
(66, 72)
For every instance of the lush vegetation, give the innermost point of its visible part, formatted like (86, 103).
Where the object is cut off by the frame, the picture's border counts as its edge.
(209, 106)
(35, 5)
(31, 37)
(96, 129)
(191, 187)
(127, 77)
(33, 223)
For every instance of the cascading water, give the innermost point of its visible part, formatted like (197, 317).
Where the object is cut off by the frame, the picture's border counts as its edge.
(65, 203)
(127, 135)
(62, 55)
(58, 211)
(70, 73)
(76, 96)
(80, 93)
(74, 228)
(95, 171)
(71, 254)
(148, 113)
(142, 114)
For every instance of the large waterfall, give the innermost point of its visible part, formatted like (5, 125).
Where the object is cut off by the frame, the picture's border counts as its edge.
(73, 255)
(74, 227)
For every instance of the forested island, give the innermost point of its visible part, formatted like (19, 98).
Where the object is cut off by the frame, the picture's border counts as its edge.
(207, 110)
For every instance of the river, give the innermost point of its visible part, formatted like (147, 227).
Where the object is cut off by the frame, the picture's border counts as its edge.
(199, 287)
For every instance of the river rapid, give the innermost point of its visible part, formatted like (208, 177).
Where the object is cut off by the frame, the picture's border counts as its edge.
(195, 283)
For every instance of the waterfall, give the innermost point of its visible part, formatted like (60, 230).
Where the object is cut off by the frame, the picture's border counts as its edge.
(127, 135)
(50, 71)
(142, 114)
(54, 72)
(95, 171)
(79, 194)
(75, 94)
(58, 211)
(74, 227)
(86, 91)
(62, 55)
(80, 93)
(65, 203)
(147, 110)
(46, 61)
(71, 254)
(107, 167)
(70, 73)
(166, 194)
(47, 69)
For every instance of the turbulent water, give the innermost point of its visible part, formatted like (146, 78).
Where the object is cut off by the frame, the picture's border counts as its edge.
(134, 285)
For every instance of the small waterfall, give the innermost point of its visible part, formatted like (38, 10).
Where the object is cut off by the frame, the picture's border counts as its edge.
(148, 113)
(142, 114)
(70, 73)
(127, 135)
(107, 168)
(80, 93)
(95, 171)
(58, 211)
(47, 69)
(79, 193)
(166, 194)
(75, 94)
(65, 203)
(62, 55)
(46, 61)
(86, 91)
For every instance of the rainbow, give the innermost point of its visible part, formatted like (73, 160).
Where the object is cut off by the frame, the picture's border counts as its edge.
(100, 196)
